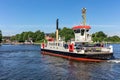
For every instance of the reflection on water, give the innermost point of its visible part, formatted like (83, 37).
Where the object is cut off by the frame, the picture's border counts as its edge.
(25, 62)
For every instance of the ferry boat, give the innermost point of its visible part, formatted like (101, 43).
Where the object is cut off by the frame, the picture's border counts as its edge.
(81, 49)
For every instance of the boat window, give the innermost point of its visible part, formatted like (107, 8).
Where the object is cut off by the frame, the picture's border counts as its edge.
(87, 30)
(82, 32)
(87, 35)
(65, 46)
(58, 44)
(77, 31)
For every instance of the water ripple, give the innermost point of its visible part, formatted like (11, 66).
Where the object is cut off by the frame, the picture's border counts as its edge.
(23, 62)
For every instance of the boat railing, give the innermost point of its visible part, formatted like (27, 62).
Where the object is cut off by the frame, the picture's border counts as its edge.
(94, 49)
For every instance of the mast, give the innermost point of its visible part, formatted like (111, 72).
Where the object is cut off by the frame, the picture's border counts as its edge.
(84, 16)
(84, 19)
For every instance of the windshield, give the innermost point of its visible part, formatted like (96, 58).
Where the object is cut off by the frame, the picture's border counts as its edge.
(82, 32)
(77, 31)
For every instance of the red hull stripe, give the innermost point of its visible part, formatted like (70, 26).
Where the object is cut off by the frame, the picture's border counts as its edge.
(72, 58)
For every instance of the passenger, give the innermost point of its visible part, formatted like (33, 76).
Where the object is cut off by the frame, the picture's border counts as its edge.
(83, 44)
(98, 45)
(102, 45)
(65, 46)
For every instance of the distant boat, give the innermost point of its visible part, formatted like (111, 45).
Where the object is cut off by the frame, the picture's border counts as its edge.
(28, 42)
(81, 48)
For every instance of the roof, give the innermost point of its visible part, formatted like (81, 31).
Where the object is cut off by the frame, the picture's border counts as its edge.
(81, 27)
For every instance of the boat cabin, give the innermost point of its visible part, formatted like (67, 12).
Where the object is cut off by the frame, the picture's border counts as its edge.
(82, 33)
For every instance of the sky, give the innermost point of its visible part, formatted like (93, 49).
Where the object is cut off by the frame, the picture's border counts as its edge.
(17, 16)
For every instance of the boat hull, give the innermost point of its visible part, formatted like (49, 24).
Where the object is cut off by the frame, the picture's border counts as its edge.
(79, 57)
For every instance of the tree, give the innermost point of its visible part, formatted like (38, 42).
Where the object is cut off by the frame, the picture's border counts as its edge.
(0, 36)
(20, 38)
(99, 36)
(30, 36)
(52, 35)
(35, 36)
(13, 38)
(66, 33)
(39, 35)
(114, 39)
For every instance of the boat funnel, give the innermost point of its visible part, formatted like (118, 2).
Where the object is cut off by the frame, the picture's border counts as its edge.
(57, 30)
(57, 24)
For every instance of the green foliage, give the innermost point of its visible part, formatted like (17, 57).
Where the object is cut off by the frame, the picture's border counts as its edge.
(52, 35)
(41, 41)
(114, 39)
(66, 33)
(0, 36)
(34, 36)
(101, 36)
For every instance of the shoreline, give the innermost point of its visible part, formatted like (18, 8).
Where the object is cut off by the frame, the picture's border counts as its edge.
(40, 43)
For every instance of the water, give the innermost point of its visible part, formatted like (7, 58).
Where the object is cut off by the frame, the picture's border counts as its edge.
(25, 62)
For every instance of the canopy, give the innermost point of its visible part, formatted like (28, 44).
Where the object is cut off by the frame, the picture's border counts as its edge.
(81, 27)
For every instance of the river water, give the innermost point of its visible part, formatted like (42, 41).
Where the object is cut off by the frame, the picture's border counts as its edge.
(25, 62)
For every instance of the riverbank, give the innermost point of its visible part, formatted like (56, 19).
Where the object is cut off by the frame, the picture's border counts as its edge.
(39, 43)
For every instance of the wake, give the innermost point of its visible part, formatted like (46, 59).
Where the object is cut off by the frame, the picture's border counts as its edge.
(114, 61)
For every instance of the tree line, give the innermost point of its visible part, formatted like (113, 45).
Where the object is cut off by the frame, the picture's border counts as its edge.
(28, 36)
(101, 36)
(65, 33)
